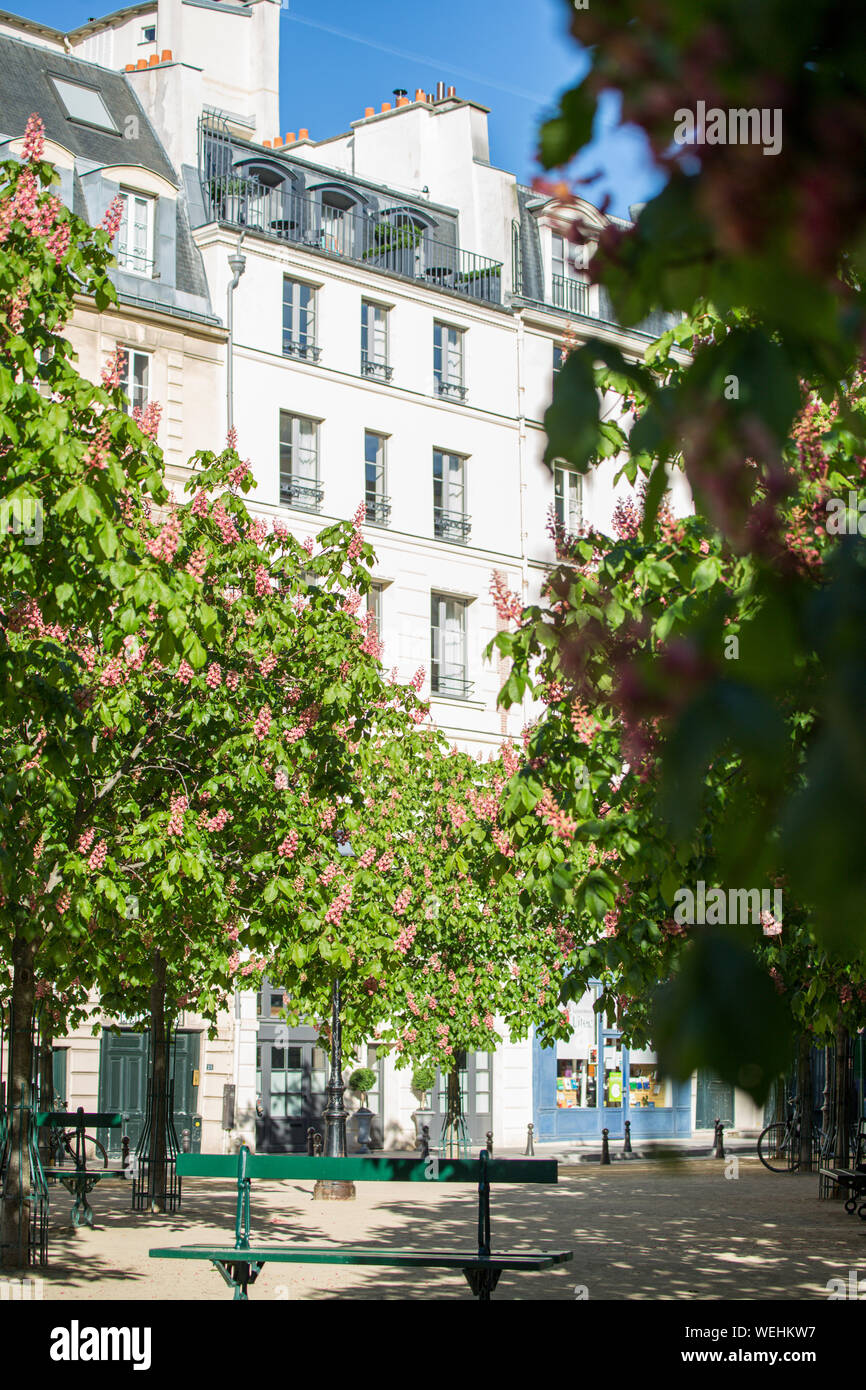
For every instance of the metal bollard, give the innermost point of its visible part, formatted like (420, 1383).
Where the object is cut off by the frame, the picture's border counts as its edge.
(185, 1141)
(605, 1147)
(490, 1141)
(529, 1151)
(310, 1133)
(718, 1141)
(626, 1148)
(425, 1141)
(124, 1152)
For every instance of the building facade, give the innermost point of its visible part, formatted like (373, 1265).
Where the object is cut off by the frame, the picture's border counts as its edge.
(402, 308)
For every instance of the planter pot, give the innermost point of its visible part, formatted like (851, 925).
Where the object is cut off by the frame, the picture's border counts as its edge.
(422, 1118)
(364, 1117)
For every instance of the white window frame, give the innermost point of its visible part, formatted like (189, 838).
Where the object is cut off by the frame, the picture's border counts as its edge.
(137, 259)
(449, 645)
(376, 501)
(375, 354)
(449, 360)
(298, 341)
(300, 480)
(450, 517)
(127, 381)
(568, 498)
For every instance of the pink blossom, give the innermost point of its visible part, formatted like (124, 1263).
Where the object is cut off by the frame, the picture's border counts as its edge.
(113, 217)
(185, 672)
(97, 857)
(179, 804)
(34, 140)
(262, 725)
(289, 846)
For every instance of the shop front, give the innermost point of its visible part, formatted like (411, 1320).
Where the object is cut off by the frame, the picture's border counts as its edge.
(592, 1082)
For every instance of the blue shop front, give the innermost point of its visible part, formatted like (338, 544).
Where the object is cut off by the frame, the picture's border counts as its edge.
(592, 1082)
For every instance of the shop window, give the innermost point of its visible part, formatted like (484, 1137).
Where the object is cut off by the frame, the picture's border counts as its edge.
(577, 1058)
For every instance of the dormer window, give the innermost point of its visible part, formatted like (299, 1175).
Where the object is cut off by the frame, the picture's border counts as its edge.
(570, 288)
(135, 238)
(84, 105)
(148, 33)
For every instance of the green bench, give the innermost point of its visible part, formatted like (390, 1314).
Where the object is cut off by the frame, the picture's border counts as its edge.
(80, 1179)
(852, 1180)
(241, 1264)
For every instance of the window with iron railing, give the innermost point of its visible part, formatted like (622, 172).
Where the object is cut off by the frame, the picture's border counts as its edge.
(377, 503)
(299, 462)
(299, 320)
(374, 341)
(135, 235)
(450, 522)
(448, 669)
(568, 498)
(448, 358)
(374, 606)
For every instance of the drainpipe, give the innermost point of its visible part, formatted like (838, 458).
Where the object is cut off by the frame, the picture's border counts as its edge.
(237, 265)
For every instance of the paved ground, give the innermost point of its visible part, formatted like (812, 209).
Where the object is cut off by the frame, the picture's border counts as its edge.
(659, 1230)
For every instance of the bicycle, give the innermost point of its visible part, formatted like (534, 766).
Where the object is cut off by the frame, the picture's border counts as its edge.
(779, 1142)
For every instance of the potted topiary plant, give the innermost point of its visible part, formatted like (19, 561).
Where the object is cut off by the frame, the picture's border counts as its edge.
(362, 1080)
(423, 1081)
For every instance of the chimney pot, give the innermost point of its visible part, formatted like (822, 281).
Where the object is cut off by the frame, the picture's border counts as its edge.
(153, 60)
(290, 137)
(402, 101)
(142, 63)
(420, 94)
(278, 140)
(166, 56)
(400, 92)
(386, 106)
(130, 67)
(452, 92)
(303, 134)
(440, 91)
(369, 111)
(267, 144)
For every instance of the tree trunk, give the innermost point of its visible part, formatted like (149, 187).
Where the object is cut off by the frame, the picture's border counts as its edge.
(454, 1109)
(804, 1094)
(15, 1228)
(159, 1084)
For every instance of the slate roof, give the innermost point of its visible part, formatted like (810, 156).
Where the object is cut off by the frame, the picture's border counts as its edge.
(24, 87)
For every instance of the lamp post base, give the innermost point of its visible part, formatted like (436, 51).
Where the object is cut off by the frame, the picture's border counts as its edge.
(339, 1191)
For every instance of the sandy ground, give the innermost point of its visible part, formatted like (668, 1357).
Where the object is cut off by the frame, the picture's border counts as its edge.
(644, 1230)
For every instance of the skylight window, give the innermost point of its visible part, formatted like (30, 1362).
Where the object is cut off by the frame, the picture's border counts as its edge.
(84, 104)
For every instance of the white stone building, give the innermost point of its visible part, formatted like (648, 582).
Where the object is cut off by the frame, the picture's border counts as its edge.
(402, 309)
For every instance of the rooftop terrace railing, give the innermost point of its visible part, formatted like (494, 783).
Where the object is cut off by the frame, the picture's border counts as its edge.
(388, 240)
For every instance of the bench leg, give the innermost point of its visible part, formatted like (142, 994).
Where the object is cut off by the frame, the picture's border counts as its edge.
(482, 1282)
(82, 1210)
(239, 1275)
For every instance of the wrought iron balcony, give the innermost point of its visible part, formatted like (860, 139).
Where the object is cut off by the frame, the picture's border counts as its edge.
(304, 495)
(389, 240)
(130, 258)
(452, 389)
(455, 686)
(378, 510)
(307, 351)
(451, 526)
(571, 294)
(381, 370)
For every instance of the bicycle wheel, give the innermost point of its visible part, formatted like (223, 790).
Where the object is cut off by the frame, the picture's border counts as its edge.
(776, 1148)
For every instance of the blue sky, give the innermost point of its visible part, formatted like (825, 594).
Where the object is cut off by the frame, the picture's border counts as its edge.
(511, 55)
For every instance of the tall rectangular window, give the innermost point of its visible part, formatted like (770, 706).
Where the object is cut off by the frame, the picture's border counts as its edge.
(135, 377)
(450, 522)
(448, 361)
(568, 499)
(448, 646)
(375, 494)
(374, 606)
(299, 320)
(569, 286)
(135, 237)
(374, 341)
(299, 462)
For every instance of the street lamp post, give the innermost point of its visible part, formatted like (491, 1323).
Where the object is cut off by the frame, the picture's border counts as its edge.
(335, 1113)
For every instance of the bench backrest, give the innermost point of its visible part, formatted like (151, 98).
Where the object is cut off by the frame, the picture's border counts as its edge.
(79, 1119)
(300, 1167)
